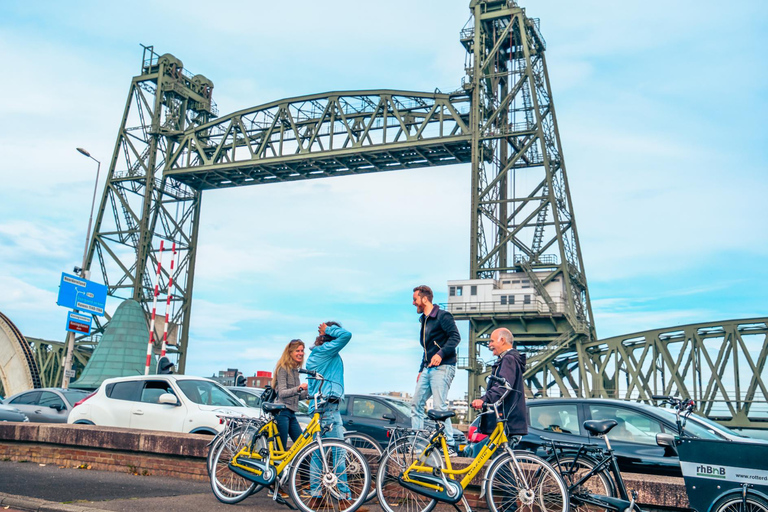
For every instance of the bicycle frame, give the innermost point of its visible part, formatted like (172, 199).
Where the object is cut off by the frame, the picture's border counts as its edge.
(278, 457)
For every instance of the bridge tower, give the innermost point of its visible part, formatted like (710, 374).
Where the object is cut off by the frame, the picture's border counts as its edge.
(526, 269)
(140, 206)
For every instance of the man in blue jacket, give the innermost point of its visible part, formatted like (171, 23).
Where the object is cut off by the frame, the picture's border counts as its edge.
(439, 338)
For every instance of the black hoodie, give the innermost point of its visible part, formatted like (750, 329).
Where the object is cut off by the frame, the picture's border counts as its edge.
(510, 366)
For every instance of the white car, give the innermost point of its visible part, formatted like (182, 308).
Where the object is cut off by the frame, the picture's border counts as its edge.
(175, 403)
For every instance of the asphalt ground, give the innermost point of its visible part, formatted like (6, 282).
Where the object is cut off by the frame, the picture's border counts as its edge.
(35, 487)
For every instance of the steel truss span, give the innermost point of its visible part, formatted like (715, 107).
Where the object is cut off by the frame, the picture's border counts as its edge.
(719, 364)
(172, 146)
(324, 135)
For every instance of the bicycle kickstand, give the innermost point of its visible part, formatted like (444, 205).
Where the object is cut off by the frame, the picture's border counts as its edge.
(279, 499)
(466, 505)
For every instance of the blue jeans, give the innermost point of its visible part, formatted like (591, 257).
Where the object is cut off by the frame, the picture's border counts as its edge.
(331, 417)
(434, 382)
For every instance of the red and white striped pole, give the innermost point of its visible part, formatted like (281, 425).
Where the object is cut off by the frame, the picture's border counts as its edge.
(154, 310)
(168, 302)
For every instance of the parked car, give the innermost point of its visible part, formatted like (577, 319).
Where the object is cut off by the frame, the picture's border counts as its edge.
(175, 403)
(633, 439)
(46, 405)
(10, 413)
(375, 414)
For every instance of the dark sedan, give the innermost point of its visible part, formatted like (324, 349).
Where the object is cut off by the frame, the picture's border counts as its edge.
(375, 414)
(633, 439)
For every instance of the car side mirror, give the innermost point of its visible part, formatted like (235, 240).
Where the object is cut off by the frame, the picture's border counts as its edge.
(389, 417)
(57, 407)
(668, 442)
(243, 402)
(168, 399)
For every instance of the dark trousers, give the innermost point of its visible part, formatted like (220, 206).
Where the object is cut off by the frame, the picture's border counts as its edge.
(287, 424)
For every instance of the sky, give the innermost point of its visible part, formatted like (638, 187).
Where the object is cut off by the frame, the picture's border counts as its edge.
(661, 109)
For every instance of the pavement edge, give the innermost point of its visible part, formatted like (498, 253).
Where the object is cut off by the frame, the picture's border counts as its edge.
(38, 505)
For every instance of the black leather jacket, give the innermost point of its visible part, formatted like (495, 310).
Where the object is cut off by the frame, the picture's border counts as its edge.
(439, 335)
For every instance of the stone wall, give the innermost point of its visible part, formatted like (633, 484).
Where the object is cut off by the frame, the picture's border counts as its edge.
(183, 455)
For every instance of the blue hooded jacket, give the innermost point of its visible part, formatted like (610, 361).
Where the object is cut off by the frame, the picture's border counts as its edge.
(325, 359)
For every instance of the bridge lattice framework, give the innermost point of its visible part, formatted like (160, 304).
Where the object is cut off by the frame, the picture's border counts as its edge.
(172, 146)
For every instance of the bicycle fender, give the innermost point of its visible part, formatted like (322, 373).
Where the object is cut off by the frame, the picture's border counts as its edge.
(488, 469)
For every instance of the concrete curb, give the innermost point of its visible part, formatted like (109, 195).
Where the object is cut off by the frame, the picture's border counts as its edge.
(38, 505)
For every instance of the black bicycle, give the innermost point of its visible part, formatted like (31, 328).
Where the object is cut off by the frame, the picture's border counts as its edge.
(591, 472)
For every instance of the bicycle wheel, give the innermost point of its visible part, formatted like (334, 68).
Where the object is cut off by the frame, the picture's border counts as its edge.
(393, 497)
(220, 437)
(733, 502)
(334, 478)
(525, 483)
(227, 486)
(600, 483)
(371, 450)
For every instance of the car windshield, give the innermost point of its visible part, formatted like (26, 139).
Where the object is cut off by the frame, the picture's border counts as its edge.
(694, 428)
(204, 392)
(400, 406)
(73, 395)
(716, 426)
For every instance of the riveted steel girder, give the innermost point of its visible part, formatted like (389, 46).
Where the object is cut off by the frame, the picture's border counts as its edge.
(522, 215)
(324, 135)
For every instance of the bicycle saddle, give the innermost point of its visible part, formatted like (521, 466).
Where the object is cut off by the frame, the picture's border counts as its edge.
(600, 427)
(272, 408)
(436, 415)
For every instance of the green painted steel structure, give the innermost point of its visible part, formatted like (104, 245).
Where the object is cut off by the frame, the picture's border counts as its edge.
(172, 146)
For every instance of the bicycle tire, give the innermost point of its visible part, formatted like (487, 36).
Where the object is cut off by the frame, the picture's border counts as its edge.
(371, 450)
(543, 489)
(227, 486)
(344, 487)
(732, 503)
(600, 483)
(392, 496)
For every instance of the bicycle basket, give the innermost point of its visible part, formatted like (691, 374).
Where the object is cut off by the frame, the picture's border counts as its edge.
(711, 468)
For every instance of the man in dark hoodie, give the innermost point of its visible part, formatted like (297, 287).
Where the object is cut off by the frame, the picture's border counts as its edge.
(510, 365)
(439, 338)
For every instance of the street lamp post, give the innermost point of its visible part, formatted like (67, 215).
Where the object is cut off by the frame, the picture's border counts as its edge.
(85, 273)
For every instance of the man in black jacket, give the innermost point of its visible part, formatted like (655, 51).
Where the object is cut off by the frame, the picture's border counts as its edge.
(439, 338)
(510, 365)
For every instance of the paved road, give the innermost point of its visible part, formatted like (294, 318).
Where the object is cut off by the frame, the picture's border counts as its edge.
(118, 492)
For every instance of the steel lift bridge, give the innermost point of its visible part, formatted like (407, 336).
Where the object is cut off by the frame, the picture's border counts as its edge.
(173, 145)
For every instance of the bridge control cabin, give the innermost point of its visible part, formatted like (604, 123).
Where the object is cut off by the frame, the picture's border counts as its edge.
(512, 293)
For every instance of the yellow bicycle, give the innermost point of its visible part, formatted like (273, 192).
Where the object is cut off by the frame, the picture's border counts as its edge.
(320, 473)
(416, 473)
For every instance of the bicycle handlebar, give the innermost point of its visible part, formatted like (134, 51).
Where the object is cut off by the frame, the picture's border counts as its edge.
(311, 373)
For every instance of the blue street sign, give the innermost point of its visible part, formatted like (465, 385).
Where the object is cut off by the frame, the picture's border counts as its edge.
(78, 293)
(79, 323)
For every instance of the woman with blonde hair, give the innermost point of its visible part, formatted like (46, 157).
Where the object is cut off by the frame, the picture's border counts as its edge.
(289, 390)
